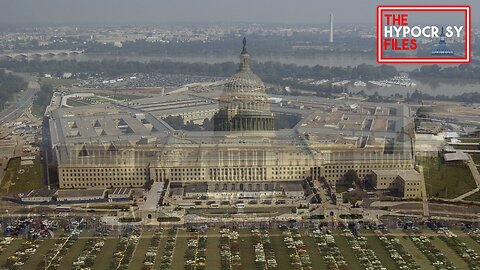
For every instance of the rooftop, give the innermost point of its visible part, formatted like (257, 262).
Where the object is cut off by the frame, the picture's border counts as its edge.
(81, 193)
(196, 188)
(457, 156)
(38, 193)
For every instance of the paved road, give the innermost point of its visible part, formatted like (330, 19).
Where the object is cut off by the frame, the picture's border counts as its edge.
(14, 110)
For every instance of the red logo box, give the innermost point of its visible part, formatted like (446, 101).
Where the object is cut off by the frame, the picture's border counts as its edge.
(423, 60)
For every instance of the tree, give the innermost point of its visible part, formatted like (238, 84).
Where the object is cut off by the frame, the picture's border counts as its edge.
(207, 124)
(351, 177)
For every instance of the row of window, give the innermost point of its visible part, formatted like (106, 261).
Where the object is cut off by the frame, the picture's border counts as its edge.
(111, 184)
(105, 170)
(388, 178)
(373, 166)
(287, 168)
(390, 184)
(101, 174)
(82, 179)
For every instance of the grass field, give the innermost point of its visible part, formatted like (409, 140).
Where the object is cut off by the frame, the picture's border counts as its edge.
(246, 250)
(67, 261)
(119, 96)
(314, 253)
(56, 82)
(450, 253)
(353, 263)
(19, 178)
(104, 257)
(179, 252)
(417, 255)
(467, 147)
(470, 140)
(38, 258)
(281, 252)
(38, 110)
(341, 188)
(383, 255)
(161, 250)
(462, 236)
(213, 250)
(446, 180)
(7, 252)
(76, 103)
(475, 197)
(476, 158)
(141, 250)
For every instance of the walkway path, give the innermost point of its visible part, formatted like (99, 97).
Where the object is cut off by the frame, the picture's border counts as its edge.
(426, 210)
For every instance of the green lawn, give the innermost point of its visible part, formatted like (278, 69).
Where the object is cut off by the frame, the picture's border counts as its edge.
(10, 250)
(67, 261)
(382, 253)
(56, 82)
(281, 251)
(464, 237)
(470, 140)
(467, 147)
(119, 96)
(247, 251)
(314, 253)
(38, 258)
(449, 253)
(141, 250)
(105, 256)
(446, 180)
(178, 262)
(213, 249)
(417, 255)
(342, 188)
(161, 249)
(475, 197)
(476, 158)
(77, 102)
(347, 253)
(19, 178)
(38, 110)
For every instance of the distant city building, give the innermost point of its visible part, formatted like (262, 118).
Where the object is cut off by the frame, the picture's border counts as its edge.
(442, 49)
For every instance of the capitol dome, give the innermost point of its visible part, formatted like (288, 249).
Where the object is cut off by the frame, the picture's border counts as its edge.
(244, 80)
(244, 103)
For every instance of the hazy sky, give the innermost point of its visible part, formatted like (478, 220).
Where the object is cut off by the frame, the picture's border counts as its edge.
(162, 11)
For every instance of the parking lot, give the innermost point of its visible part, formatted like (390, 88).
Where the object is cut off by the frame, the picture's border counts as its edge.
(74, 244)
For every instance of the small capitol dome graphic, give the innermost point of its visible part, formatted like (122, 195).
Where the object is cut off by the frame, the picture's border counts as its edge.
(442, 49)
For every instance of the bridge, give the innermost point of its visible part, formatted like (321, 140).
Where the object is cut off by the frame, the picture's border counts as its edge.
(44, 54)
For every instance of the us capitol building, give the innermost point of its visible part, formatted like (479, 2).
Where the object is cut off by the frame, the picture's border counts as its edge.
(128, 144)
